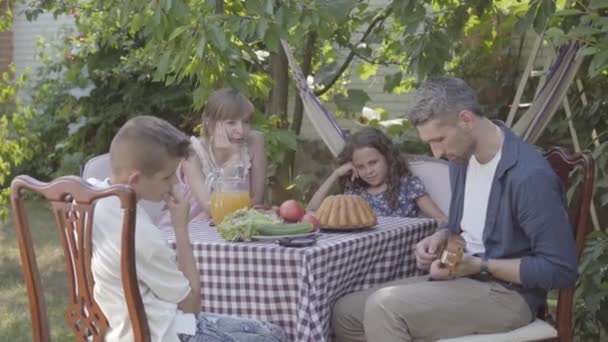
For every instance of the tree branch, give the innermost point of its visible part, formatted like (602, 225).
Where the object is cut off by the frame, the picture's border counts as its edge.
(372, 60)
(309, 48)
(379, 19)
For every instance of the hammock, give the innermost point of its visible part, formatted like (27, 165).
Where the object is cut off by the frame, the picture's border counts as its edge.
(533, 122)
(321, 119)
(530, 125)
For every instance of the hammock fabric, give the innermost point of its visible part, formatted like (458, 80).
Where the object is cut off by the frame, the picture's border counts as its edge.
(321, 119)
(533, 122)
(530, 125)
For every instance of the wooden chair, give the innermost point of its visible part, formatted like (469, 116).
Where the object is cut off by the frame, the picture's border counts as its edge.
(560, 329)
(72, 201)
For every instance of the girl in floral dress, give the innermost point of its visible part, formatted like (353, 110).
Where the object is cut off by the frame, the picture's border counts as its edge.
(372, 167)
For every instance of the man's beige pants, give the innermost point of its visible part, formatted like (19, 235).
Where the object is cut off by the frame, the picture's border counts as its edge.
(415, 309)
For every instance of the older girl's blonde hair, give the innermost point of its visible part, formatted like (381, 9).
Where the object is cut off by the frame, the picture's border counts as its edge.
(224, 104)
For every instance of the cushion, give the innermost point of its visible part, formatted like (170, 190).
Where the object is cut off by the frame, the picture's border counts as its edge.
(536, 330)
(435, 175)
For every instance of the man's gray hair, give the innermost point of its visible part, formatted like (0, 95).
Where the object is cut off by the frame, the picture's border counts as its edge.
(443, 98)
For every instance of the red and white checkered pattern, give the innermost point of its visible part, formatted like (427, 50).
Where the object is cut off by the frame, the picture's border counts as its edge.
(296, 287)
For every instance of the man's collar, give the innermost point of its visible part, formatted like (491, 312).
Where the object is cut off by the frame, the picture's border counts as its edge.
(510, 149)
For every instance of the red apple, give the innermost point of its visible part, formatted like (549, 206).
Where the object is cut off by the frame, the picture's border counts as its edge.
(310, 218)
(291, 211)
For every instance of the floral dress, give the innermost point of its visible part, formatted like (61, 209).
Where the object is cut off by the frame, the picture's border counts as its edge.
(410, 188)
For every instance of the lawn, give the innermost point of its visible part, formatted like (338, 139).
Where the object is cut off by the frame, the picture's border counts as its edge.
(15, 320)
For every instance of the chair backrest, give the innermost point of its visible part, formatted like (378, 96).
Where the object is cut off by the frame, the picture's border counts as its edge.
(72, 201)
(435, 175)
(99, 167)
(563, 163)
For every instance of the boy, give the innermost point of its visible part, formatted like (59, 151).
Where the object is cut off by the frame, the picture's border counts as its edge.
(145, 154)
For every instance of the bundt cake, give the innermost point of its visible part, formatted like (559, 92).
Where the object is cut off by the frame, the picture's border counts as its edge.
(346, 212)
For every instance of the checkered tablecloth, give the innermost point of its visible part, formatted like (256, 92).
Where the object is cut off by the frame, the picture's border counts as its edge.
(296, 287)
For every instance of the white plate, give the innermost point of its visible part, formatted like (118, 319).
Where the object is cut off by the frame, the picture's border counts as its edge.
(276, 237)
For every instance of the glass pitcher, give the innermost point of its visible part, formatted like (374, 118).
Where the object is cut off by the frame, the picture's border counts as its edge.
(229, 192)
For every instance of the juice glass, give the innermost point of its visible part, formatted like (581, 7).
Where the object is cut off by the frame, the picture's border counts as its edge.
(225, 203)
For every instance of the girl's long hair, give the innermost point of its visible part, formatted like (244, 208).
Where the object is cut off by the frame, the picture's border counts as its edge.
(395, 161)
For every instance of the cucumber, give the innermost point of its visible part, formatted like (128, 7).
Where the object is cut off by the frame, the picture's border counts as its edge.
(285, 229)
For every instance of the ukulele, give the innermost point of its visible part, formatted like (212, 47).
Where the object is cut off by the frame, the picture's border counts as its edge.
(453, 252)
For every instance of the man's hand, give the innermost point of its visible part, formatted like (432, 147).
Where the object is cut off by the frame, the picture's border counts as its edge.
(468, 266)
(428, 249)
(179, 209)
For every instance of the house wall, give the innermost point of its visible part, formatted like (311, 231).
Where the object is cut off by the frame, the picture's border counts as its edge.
(6, 45)
(26, 34)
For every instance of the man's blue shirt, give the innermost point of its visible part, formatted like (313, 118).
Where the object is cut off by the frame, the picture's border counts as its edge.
(526, 218)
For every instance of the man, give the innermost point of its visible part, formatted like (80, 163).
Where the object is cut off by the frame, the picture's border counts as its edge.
(507, 204)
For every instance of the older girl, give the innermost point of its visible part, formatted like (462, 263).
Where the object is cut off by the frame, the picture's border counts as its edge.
(228, 143)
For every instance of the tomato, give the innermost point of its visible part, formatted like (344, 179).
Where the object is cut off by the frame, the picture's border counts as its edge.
(291, 211)
(310, 218)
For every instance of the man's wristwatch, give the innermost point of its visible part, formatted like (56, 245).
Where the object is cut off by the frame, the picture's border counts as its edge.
(484, 271)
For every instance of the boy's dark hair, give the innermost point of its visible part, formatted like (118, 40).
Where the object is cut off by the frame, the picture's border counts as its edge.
(396, 163)
(149, 140)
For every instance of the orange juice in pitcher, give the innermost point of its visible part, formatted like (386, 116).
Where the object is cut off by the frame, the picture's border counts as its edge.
(225, 203)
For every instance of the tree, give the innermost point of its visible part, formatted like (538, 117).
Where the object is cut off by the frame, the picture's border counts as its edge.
(195, 46)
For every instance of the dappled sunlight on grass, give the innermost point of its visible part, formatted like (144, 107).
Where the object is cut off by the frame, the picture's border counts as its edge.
(15, 319)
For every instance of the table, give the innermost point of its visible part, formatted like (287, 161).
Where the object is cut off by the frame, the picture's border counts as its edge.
(296, 287)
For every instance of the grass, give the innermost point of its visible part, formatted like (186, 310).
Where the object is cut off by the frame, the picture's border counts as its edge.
(15, 319)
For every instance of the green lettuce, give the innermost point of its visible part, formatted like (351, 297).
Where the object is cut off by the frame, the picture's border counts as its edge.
(242, 224)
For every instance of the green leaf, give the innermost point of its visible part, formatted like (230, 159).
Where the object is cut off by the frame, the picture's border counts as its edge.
(587, 51)
(353, 102)
(568, 11)
(366, 70)
(392, 81)
(582, 31)
(179, 9)
(598, 63)
(546, 9)
(163, 64)
(554, 32)
(178, 31)
(261, 28)
(199, 96)
(200, 47)
(272, 38)
(598, 4)
(268, 7)
(218, 36)
(336, 10)
(254, 6)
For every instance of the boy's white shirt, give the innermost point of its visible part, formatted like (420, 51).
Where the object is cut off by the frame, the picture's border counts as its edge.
(162, 285)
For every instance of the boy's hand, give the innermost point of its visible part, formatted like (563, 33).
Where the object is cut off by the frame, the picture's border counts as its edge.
(179, 209)
(345, 169)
